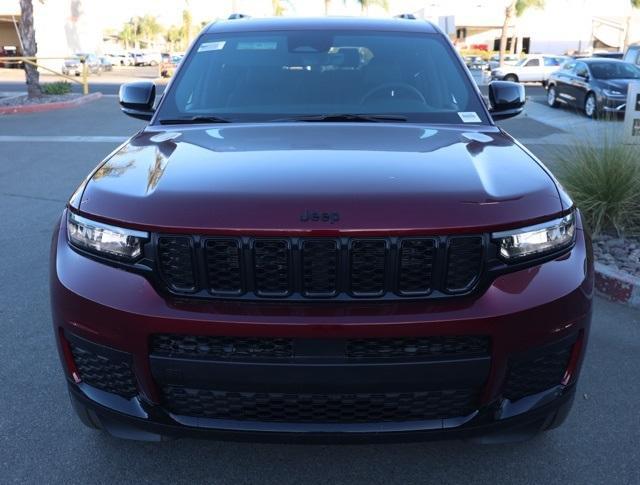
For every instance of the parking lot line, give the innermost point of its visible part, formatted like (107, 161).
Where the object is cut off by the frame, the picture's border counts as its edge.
(62, 139)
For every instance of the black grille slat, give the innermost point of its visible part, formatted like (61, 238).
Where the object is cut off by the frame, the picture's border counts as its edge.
(319, 267)
(175, 258)
(416, 266)
(320, 408)
(367, 271)
(415, 347)
(214, 347)
(223, 265)
(464, 262)
(271, 267)
(531, 376)
(103, 372)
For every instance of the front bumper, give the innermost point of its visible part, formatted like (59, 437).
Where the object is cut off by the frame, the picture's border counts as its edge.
(527, 316)
(614, 104)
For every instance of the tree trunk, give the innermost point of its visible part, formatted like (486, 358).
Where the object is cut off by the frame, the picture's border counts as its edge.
(627, 34)
(29, 48)
(508, 17)
(327, 3)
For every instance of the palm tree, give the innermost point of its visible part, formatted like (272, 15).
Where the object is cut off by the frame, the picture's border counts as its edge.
(627, 30)
(128, 35)
(327, 4)
(148, 28)
(279, 8)
(173, 36)
(365, 4)
(29, 48)
(187, 26)
(515, 8)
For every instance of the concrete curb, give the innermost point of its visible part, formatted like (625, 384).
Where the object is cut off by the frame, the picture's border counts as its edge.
(617, 285)
(35, 108)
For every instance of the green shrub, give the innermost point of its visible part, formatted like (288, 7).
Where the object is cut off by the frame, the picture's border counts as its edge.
(603, 178)
(58, 87)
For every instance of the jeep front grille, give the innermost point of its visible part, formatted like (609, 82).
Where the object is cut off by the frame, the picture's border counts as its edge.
(320, 268)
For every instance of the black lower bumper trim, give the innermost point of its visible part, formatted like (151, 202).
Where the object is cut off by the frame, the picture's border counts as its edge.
(480, 427)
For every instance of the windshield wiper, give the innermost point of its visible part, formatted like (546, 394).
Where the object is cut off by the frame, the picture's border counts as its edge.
(347, 117)
(194, 119)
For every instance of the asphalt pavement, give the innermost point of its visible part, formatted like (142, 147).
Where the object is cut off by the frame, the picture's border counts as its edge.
(41, 440)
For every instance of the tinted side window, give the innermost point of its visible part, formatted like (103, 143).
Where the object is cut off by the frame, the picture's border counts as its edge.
(581, 70)
(533, 63)
(633, 55)
(551, 61)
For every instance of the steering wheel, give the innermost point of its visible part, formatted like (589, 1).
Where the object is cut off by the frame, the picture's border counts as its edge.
(391, 89)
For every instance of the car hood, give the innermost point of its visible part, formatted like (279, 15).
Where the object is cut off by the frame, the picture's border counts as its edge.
(621, 85)
(377, 177)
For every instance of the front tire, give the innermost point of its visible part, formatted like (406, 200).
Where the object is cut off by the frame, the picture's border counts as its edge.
(591, 106)
(511, 78)
(552, 97)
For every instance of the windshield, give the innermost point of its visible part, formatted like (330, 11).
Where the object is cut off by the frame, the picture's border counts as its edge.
(256, 76)
(614, 70)
(522, 61)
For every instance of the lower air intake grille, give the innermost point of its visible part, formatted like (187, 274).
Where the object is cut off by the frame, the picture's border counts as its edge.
(528, 377)
(320, 408)
(206, 347)
(439, 346)
(104, 371)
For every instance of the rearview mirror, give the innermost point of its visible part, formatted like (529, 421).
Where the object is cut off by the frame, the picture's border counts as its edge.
(506, 99)
(137, 98)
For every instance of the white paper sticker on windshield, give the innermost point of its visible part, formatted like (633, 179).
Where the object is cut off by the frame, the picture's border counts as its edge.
(211, 46)
(469, 116)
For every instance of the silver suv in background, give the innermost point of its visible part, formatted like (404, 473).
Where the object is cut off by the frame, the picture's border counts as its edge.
(534, 68)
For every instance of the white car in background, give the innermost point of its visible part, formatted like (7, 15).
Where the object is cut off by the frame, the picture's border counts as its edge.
(534, 68)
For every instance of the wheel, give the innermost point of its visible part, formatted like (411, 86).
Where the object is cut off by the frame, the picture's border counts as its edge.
(591, 106)
(153, 63)
(552, 97)
(511, 77)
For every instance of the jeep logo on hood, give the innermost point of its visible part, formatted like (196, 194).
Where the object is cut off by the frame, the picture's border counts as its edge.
(315, 216)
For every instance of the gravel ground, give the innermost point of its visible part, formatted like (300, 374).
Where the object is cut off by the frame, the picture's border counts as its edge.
(47, 98)
(620, 253)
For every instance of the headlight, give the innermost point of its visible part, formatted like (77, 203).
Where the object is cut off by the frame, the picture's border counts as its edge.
(536, 240)
(104, 239)
(612, 93)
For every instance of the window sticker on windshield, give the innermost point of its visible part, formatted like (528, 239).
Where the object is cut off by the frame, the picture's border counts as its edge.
(258, 46)
(211, 46)
(469, 117)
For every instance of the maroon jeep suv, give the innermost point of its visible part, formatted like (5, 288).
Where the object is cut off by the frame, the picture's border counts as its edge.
(321, 234)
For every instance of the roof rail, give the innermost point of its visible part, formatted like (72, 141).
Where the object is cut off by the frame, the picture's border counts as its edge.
(406, 16)
(236, 16)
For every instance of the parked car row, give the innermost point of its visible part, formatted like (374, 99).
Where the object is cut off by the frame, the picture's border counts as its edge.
(595, 85)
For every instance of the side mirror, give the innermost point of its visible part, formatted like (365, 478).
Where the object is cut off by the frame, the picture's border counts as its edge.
(506, 99)
(137, 98)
